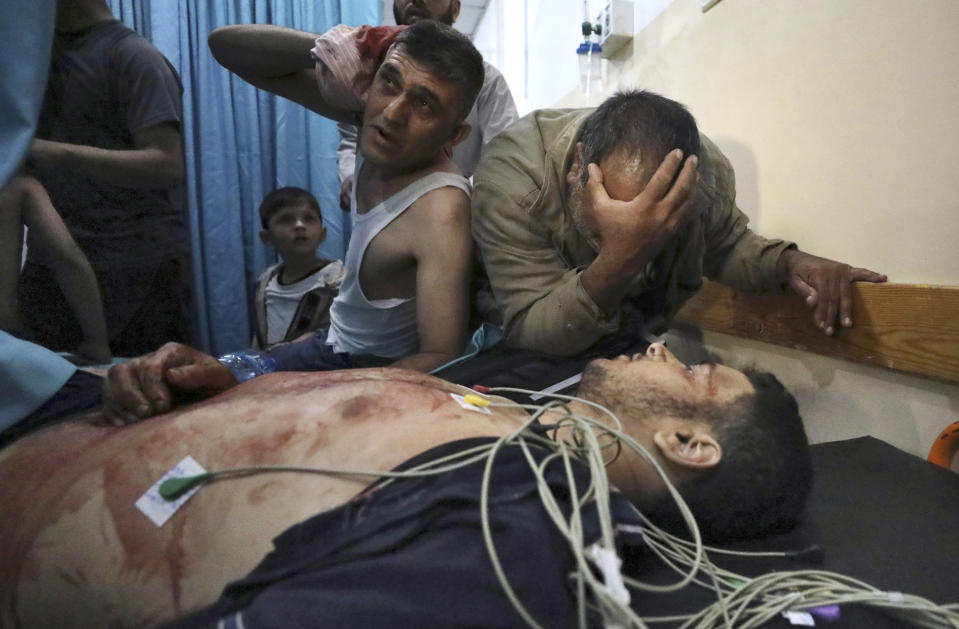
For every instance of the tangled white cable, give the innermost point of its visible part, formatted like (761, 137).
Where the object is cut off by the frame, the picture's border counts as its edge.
(741, 602)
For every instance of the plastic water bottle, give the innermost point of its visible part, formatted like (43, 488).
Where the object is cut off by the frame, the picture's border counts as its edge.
(248, 365)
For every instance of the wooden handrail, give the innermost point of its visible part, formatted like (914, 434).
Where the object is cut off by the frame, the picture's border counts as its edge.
(907, 327)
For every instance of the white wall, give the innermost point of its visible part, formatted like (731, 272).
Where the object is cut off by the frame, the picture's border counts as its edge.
(840, 119)
(533, 43)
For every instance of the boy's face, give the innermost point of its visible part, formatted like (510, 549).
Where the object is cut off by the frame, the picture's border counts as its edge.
(294, 230)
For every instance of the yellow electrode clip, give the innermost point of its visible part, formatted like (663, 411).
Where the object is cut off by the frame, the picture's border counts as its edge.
(475, 400)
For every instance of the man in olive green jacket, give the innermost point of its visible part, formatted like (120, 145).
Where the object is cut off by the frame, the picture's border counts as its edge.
(582, 213)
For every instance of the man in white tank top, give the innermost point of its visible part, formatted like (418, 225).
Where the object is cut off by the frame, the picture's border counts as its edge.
(405, 297)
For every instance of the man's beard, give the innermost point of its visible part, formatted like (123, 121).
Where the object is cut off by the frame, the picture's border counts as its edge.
(593, 376)
(641, 402)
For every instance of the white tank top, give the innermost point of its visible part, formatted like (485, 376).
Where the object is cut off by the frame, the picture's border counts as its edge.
(383, 327)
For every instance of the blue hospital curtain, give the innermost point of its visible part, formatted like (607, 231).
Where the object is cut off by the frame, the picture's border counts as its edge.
(240, 144)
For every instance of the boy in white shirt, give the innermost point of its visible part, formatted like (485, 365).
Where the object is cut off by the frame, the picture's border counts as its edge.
(294, 296)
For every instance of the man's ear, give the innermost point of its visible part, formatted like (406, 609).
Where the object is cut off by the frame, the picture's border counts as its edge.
(455, 6)
(690, 446)
(460, 133)
(576, 166)
(265, 238)
(322, 233)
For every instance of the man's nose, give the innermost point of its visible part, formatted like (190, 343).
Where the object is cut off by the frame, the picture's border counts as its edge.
(658, 351)
(396, 110)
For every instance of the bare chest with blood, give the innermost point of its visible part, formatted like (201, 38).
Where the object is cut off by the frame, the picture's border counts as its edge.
(79, 540)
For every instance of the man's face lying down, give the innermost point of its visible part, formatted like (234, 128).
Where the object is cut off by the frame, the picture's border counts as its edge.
(658, 377)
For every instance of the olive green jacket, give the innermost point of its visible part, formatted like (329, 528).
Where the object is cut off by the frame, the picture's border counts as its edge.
(533, 254)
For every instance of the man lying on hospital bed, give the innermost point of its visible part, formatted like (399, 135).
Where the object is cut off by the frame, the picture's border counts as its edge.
(353, 549)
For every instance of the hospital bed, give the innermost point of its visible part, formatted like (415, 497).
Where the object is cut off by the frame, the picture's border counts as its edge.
(878, 514)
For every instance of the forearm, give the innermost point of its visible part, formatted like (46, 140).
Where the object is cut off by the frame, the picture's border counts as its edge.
(608, 277)
(278, 60)
(260, 51)
(784, 263)
(131, 168)
(544, 304)
(756, 264)
(76, 279)
(563, 322)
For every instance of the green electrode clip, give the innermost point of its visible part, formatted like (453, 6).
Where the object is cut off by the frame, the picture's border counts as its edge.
(173, 488)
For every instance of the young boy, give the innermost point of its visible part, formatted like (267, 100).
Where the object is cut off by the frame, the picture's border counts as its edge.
(294, 296)
(24, 201)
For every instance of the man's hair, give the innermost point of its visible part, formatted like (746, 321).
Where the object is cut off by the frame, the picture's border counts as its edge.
(285, 197)
(447, 54)
(642, 123)
(765, 474)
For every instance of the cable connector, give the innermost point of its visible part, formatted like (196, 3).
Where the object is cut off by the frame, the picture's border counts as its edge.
(173, 488)
(475, 400)
(608, 563)
(829, 613)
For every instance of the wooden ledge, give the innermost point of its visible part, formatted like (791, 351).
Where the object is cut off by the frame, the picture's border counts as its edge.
(907, 327)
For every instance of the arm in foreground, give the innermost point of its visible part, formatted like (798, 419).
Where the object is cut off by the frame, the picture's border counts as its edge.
(154, 383)
(155, 161)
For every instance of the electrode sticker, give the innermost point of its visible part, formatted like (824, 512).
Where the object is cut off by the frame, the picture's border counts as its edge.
(799, 619)
(159, 509)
